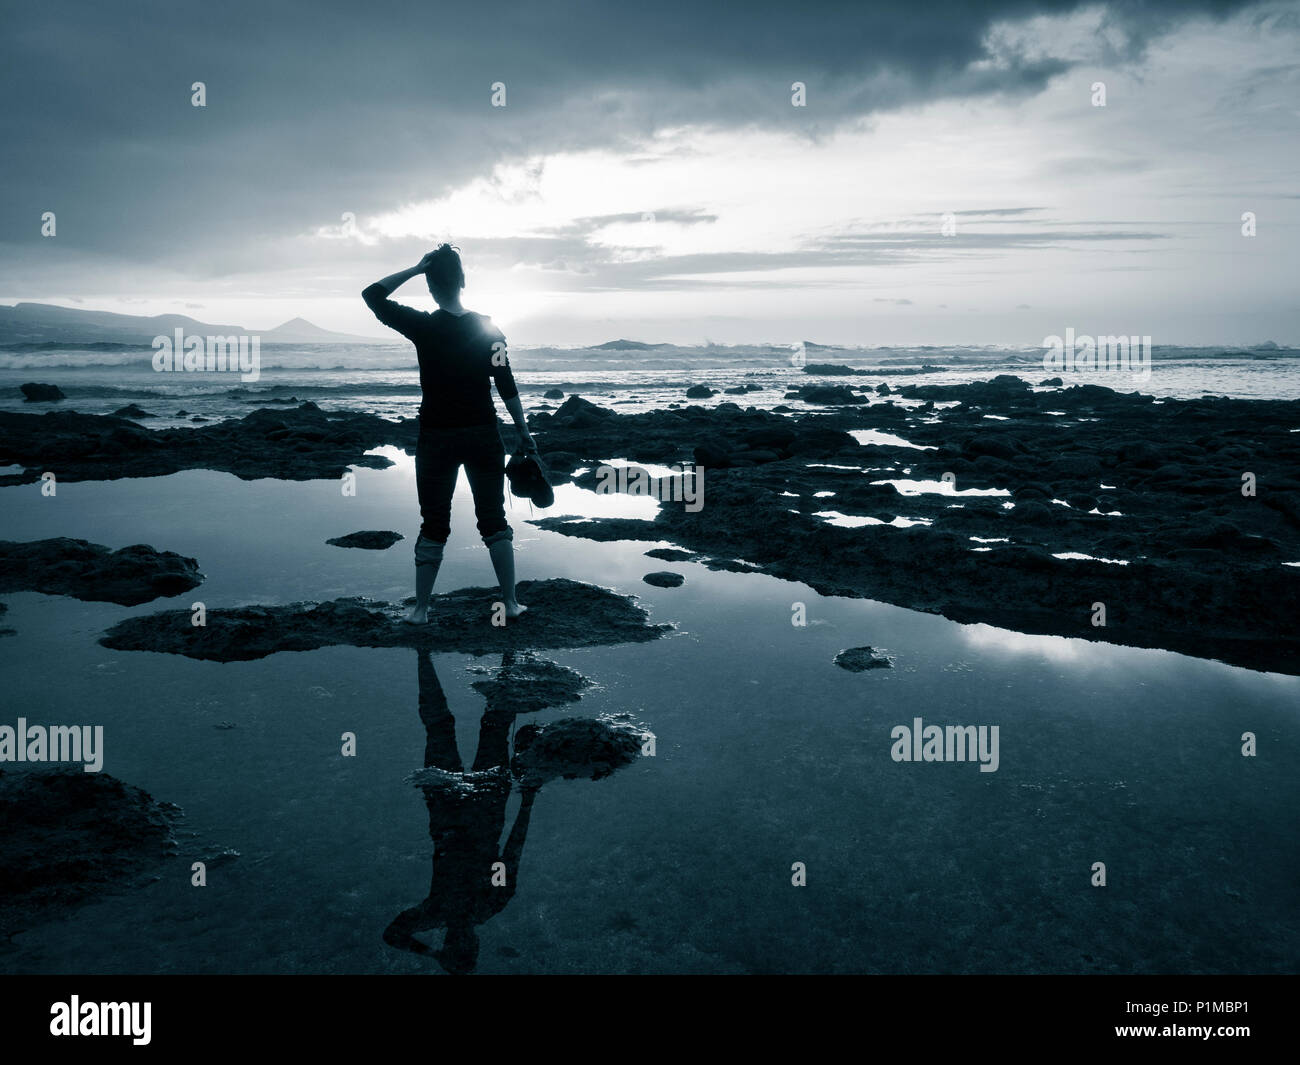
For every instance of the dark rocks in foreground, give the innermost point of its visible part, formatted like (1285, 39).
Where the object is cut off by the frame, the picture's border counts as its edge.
(34, 392)
(368, 540)
(133, 411)
(664, 579)
(562, 613)
(92, 572)
(71, 836)
(860, 659)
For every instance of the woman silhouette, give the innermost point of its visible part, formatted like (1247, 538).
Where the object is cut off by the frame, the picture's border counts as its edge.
(460, 354)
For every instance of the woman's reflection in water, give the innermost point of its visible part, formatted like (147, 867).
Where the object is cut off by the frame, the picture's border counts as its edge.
(473, 878)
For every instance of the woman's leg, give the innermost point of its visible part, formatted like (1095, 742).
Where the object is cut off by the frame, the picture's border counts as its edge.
(485, 466)
(436, 466)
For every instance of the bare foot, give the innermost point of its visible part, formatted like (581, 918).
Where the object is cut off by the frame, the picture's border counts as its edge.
(418, 615)
(513, 610)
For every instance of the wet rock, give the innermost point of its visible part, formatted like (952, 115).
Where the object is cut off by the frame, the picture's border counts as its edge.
(828, 395)
(553, 393)
(526, 683)
(770, 436)
(664, 579)
(38, 393)
(860, 659)
(72, 836)
(92, 572)
(730, 565)
(575, 748)
(672, 554)
(1051, 382)
(562, 613)
(713, 455)
(700, 392)
(132, 410)
(831, 369)
(1032, 512)
(1002, 389)
(368, 540)
(998, 447)
(578, 413)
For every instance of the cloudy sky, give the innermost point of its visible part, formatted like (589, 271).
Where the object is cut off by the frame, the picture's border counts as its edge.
(949, 181)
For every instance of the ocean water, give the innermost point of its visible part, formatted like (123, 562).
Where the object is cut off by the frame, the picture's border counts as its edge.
(381, 379)
(767, 755)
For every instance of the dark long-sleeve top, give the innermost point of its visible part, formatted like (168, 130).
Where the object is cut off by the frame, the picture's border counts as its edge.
(460, 356)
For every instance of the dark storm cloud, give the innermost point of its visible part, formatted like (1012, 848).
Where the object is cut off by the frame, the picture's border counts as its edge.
(319, 108)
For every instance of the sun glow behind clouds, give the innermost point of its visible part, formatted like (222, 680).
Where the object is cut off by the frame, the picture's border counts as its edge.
(1113, 220)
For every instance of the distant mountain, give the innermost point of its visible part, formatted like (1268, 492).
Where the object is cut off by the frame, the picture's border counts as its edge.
(46, 324)
(301, 331)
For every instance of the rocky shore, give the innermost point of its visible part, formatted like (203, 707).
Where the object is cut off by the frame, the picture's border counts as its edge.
(1174, 517)
(1076, 511)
